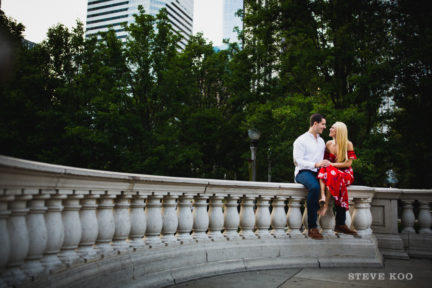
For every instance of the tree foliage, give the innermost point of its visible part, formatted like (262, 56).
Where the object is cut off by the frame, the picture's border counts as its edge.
(143, 105)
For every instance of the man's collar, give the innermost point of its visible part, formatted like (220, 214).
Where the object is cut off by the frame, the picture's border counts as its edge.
(312, 135)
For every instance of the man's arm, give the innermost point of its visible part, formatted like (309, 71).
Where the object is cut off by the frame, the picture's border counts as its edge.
(298, 155)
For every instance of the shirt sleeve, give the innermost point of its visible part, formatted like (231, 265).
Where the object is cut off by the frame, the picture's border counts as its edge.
(298, 155)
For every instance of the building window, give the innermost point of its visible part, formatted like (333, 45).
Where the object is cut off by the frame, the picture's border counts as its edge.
(107, 6)
(107, 19)
(106, 13)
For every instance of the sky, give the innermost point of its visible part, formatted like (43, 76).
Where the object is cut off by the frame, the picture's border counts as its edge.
(38, 15)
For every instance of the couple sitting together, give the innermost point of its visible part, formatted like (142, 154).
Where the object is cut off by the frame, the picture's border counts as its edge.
(325, 170)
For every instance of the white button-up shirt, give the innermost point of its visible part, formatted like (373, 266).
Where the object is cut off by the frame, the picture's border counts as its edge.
(308, 150)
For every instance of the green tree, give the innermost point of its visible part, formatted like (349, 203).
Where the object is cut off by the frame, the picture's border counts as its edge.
(410, 145)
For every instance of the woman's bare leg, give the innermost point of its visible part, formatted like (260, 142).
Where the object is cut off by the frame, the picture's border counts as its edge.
(323, 194)
(322, 211)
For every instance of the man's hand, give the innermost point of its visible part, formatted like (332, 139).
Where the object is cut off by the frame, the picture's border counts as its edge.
(322, 163)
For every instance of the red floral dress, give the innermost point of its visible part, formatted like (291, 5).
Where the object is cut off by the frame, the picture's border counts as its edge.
(337, 180)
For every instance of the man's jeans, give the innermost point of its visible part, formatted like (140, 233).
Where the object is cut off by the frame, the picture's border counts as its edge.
(309, 180)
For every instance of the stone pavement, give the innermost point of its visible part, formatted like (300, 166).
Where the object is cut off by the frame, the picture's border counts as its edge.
(415, 273)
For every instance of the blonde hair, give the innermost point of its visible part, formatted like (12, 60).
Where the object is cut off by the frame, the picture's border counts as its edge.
(341, 141)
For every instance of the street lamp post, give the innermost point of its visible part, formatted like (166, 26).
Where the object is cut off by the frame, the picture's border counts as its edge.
(254, 136)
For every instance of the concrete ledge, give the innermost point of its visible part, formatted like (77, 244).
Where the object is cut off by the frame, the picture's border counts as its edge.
(418, 245)
(391, 246)
(155, 267)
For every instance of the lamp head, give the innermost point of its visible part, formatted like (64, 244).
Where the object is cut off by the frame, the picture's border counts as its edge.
(254, 134)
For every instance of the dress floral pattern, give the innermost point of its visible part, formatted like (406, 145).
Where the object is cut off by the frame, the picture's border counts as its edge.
(337, 180)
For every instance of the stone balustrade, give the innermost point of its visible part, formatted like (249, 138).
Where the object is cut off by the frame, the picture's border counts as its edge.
(399, 232)
(63, 226)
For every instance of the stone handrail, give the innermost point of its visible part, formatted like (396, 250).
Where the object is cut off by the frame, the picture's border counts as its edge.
(394, 222)
(63, 226)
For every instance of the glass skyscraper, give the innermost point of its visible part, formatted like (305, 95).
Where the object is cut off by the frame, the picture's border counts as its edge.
(230, 7)
(102, 14)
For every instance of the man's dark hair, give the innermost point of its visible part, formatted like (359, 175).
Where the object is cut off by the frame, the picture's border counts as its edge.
(316, 118)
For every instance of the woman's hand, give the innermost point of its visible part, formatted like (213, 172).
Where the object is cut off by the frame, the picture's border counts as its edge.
(322, 163)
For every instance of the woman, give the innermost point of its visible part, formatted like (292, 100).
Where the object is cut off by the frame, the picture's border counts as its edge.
(339, 174)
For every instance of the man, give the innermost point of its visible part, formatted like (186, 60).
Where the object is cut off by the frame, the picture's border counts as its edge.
(308, 158)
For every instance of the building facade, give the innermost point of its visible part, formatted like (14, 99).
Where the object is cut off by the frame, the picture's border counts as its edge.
(103, 14)
(230, 20)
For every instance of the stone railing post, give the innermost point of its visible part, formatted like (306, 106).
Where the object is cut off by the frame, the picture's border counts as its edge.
(424, 218)
(4, 233)
(138, 221)
(55, 231)
(38, 235)
(216, 217)
(348, 220)
(169, 219)
(231, 218)
(408, 217)
(362, 219)
(369, 216)
(154, 220)
(72, 229)
(305, 220)
(18, 237)
(122, 223)
(278, 217)
(328, 222)
(106, 226)
(294, 218)
(247, 218)
(89, 227)
(200, 218)
(185, 219)
(262, 217)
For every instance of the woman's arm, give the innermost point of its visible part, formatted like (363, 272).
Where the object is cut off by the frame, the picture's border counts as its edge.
(347, 163)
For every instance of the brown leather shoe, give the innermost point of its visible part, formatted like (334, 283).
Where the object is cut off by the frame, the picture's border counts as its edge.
(314, 234)
(344, 229)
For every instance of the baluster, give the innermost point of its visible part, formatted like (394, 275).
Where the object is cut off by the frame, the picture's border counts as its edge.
(169, 219)
(138, 221)
(328, 222)
(361, 219)
(294, 218)
(106, 224)
(19, 237)
(262, 217)
(185, 219)
(122, 223)
(278, 217)
(424, 218)
(231, 218)
(348, 220)
(55, 231)
(72, 229)
(216, 216)
(408, 217)
(89, 227)
(38, 235)
(4, 233)
(247, 218)
(200, 218)
(154, 220)
(369, 216)
(305, 220)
